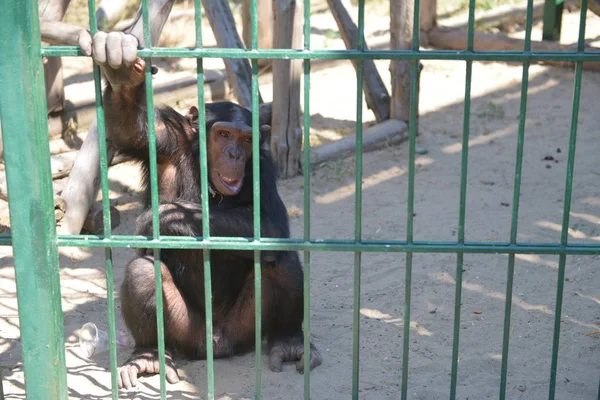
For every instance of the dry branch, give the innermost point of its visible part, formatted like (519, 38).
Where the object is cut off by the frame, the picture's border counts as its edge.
(376, 94)
(456, 39)
(593, 6)
(386, 133)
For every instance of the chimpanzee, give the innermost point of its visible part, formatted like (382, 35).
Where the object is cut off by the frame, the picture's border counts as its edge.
(229, 149)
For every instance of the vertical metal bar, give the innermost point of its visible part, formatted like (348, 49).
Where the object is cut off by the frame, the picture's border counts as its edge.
(552, 19)
(27, 156)
(108, 261)
(358, 204)
(210, 368)
(412, 138)
(515, 209)
(462, 205)
(154, 200)
(307, 200)
(256, 183)
(567, 203)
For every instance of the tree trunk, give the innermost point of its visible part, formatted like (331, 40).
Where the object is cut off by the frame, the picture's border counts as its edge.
(286, 140)
(401, 29)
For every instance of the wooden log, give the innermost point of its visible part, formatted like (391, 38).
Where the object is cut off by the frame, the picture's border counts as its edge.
(376, 94)
(388, 132)
(108, 13)
(83, 183)
(427, 15)
(239, 73)
(286, 139)
(456, 39)
(401, 33)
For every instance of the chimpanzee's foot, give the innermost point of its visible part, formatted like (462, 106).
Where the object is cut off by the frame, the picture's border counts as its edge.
(145, 362)
(292, 349)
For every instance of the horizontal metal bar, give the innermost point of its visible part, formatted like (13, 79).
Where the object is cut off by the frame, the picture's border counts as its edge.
(71, 51)
(180, 242)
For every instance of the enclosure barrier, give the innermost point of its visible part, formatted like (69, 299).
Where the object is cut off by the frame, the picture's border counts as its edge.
(34, 239)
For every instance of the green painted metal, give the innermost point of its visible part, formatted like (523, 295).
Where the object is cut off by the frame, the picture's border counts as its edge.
(27, 156)
(160, 328)
(256, 204)
(210, 367)
(28, 161)
(106, 219)
(307, 200)
(275, 244)
(515, 209)
(358, 205)
(553, 10)
(568, 56)
(412, 141)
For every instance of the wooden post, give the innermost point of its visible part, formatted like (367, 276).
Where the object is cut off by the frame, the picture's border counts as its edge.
(427, 15)
(286, 139)
(401, 33)
(239, 73)
(376, 94)
(82, 186)
(265, 26)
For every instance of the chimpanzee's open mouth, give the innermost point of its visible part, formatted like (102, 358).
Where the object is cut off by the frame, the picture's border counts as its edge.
(232, 184)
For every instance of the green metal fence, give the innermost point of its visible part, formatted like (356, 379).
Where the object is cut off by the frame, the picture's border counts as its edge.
(35, 242)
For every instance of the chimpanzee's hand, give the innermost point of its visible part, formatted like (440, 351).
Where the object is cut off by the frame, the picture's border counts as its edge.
(116, 53)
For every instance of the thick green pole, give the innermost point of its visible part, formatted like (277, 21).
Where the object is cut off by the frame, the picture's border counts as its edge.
(552, 19)
(27, 155)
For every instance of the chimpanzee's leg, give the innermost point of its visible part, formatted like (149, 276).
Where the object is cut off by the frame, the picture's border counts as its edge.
(184, 325)
(282, 312)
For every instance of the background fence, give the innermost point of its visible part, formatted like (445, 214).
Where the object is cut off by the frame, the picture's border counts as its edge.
(35, 242)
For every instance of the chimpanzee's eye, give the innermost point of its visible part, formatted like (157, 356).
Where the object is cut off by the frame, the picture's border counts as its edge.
(224, 134)
(248, 139)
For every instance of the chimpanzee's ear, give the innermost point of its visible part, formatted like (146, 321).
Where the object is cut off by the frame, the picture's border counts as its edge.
(265, 133)
(192, 115)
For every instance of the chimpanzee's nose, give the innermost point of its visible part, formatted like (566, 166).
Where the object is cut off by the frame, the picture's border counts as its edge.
(234, 153)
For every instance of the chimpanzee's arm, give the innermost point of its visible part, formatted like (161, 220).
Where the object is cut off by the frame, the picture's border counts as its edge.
(125, 100)
(185, 219)
(127, 123)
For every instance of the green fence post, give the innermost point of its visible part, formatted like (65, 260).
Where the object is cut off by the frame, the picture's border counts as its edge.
(27, 155)
(552, 19)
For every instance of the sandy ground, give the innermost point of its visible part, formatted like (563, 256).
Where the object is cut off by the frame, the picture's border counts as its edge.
(494, 121)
